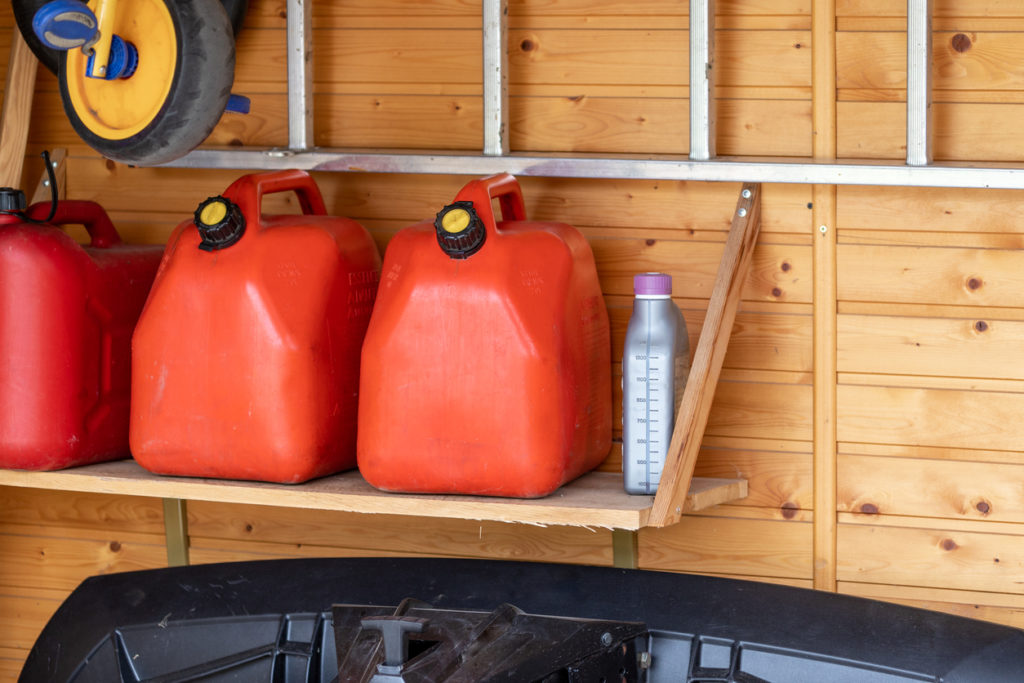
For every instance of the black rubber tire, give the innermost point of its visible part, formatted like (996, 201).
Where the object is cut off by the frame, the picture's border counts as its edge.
(199, 90)
(236, 10)
(24, 10)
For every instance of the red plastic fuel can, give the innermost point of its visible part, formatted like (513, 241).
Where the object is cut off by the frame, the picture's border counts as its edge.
(66, 317)
(246, 357)
(486, 366)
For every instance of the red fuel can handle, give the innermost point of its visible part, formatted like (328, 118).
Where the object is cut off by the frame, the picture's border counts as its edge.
(503, 187)
(90, 215)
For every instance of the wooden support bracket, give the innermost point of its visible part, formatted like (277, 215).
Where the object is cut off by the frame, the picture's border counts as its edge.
(58, 158)
(625, 548)
(176, 531)
(707, 361)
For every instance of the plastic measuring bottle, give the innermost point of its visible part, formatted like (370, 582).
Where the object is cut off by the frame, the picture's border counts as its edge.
(655, 363)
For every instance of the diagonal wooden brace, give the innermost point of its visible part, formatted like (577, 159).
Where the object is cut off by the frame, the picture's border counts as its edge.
(17, 111)
(692, 417)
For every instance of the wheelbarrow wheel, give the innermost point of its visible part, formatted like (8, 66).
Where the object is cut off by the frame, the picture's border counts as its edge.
(175, 97)
(25, 10)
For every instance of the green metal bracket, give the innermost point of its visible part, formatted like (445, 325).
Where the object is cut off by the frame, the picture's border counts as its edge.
(625, 549)
(176, 531)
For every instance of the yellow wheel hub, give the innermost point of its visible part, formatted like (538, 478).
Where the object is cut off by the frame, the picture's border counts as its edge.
(119, 109)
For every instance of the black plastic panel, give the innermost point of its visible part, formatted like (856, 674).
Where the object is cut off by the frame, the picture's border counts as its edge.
(258, 621)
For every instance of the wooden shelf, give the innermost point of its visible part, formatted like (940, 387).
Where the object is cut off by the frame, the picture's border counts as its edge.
(594, 500)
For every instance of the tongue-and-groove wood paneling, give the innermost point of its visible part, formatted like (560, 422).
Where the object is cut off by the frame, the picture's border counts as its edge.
(928, 308)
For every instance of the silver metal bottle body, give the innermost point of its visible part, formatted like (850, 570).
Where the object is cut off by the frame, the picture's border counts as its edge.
(655, 364)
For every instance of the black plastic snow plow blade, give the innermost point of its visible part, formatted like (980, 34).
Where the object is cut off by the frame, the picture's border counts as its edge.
(273, 621)
(419, 644)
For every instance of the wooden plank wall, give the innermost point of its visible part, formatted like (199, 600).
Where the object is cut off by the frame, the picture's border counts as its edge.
(930, 470)
(928, 284)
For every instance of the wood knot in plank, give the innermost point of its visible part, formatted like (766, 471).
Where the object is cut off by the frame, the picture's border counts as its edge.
(981, 326)
(789, 509)
(949, 544)
(527, 45)
(115, 547)
(961, 42)
(974, 283)
(869, 509)
(984, 507)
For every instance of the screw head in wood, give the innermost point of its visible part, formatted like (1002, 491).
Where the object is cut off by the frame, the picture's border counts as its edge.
(742, 213)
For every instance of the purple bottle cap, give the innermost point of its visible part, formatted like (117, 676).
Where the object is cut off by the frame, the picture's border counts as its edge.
(652, 284)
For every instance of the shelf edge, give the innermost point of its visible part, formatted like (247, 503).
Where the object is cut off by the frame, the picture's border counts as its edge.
(594, 501)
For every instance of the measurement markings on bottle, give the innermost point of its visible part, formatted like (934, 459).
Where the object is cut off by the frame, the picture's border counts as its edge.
(649, 440)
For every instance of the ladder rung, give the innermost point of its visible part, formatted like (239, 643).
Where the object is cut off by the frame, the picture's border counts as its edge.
(495, 77)
(702, 79)
(300, 75)
(919, 82)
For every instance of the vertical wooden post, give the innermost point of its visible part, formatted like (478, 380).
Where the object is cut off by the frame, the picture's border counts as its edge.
(17, 111)
(824, 236)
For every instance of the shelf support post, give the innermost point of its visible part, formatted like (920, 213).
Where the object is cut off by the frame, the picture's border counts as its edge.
(692, 417)
(625, 548)
(300, 75)
(702, 79)
(495, 77)
(176, 531)
(919, 83)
